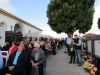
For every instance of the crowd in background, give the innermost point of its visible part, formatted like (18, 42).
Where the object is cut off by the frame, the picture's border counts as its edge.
(78, 53)
(28, 57)
(74, 49)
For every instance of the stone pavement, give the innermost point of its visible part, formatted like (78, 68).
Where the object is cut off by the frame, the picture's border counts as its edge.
(58, 65)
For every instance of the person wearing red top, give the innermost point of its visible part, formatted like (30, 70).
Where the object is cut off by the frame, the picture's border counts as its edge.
(13, 48)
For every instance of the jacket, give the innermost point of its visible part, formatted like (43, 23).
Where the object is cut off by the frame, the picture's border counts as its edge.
(20, 67)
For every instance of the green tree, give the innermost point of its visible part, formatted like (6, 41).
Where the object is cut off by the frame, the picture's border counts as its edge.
(99, 23)
(70, 15)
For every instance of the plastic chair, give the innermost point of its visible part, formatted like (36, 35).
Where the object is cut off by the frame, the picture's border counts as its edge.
(5, 57)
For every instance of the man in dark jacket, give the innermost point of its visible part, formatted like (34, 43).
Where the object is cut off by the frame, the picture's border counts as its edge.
(17, 61)
(77, 45)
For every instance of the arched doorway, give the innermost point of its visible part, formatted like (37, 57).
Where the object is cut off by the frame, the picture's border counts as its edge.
(18, 30)
(17, 27)
(16, 34)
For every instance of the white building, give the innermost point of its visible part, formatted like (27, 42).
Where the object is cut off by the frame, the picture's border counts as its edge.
(9, 22)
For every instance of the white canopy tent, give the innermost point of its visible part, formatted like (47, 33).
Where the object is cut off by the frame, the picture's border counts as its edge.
(36, 35)
(94, 31)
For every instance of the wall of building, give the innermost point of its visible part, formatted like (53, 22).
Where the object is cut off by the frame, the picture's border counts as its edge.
(2, 35)
(30, 29)
(8, 22)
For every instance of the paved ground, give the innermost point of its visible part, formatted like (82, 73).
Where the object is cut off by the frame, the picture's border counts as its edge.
(58, 65)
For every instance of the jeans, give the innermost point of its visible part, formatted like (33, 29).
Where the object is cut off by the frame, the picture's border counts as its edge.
(72, 57)
(65, 49)
(78, 57)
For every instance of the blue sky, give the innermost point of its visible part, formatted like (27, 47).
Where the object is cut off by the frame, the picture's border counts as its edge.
(97, 2)
(33, 11)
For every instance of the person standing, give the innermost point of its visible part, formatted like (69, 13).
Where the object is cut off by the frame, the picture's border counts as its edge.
(28, 48)
(6, 46)
(42, 45)
(69, 43)
(53, 46)
(77, 44)
(65, 49)
(72, 53)
(2, 70)
(17, 61)
(13, 48)
(37, 60)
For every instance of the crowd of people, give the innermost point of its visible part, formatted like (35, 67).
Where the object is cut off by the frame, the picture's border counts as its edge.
(78, 53)
(28, 58)
(74, 49)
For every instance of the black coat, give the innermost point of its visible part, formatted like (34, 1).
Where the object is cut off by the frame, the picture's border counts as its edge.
(20, 67)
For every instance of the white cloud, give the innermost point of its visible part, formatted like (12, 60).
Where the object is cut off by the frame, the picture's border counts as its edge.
(96, 16)
(7, 6)
(94, 28)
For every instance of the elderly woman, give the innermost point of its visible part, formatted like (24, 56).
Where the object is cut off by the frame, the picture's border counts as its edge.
(37, 60)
